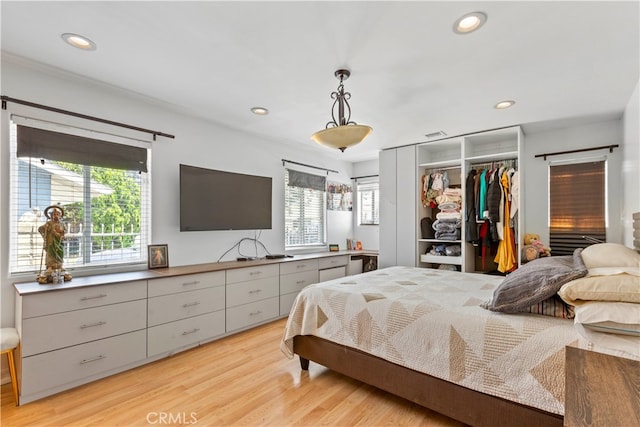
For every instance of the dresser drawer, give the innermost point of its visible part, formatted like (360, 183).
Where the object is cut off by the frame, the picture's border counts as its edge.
(46, 333)
(52, 302)
(189, 282)
(182, 333)
(332, 273)
(286, 302)
(71, 364)
(296, 281)
(334, 261)
(249, 314)
(167, 308)
(252, 273)
(298, 266)
(254, 290)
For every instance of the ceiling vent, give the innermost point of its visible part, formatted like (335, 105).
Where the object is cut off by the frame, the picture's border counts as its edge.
(437, 134)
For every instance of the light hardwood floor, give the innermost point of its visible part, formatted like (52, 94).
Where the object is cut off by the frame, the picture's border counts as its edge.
(241, 380)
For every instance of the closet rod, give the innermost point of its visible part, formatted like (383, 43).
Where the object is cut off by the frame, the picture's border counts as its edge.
(309, 166)
(443, 169)
(495, 162)
(155, 133)
(603, 147)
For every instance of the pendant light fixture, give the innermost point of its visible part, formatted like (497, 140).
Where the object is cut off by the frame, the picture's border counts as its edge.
(341, 132)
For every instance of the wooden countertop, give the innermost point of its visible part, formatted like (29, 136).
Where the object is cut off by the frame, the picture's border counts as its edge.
(601, 390)
(25, 288)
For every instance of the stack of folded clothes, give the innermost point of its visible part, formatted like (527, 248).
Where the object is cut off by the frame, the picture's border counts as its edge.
(448, 220)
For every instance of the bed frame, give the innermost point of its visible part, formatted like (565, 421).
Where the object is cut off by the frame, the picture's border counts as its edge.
(457, 402)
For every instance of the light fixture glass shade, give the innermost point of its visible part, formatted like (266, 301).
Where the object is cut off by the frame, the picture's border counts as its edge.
(342, 137)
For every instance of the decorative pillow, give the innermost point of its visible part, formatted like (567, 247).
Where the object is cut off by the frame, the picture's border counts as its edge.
(619, 287)
(612, 317)
(610, 255)
(553, 306)
(535, 281)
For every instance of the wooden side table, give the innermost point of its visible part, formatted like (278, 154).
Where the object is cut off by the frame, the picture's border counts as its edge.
(601, 390)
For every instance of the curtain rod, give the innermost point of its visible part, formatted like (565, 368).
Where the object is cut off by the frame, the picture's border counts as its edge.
(309, 166)
(608, 147)
(365, 176)
(155, 133)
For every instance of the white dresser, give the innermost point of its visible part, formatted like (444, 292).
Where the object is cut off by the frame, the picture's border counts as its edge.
(294, 276)
(184, 311)
(74, 336)
(79, 331)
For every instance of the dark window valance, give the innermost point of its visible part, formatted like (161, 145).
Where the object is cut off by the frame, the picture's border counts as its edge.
(45, 144)
(307, 180)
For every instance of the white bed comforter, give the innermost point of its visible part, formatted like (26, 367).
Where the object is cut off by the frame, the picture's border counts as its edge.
(430, 321)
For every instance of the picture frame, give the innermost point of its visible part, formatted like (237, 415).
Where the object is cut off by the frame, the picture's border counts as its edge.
(334, 248)
(158, 256)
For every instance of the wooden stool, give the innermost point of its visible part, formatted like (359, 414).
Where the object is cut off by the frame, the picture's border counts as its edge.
(10, 341)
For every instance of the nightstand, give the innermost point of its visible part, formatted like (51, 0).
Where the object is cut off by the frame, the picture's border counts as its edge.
(601, 390)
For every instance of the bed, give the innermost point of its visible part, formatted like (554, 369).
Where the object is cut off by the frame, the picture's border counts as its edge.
(421, 334)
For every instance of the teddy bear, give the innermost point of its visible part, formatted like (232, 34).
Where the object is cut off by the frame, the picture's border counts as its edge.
(533, 248)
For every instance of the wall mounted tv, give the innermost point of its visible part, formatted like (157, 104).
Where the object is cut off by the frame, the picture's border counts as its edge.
(219, 200)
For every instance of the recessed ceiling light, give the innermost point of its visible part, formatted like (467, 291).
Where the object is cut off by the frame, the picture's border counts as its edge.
(260, 111)
(78, 41)
(469, 23)
(504, 104)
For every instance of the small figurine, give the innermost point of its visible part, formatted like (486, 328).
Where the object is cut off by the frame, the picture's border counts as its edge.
(53, 232)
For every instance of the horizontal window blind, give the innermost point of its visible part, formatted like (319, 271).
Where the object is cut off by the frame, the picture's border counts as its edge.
(100, 189)
(576, 205)
(368, 203)
(305, 208)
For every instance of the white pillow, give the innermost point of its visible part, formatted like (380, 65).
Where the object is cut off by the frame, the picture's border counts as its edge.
(610, 255)
(611, 317)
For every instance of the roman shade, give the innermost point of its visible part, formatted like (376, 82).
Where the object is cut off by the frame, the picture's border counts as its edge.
(46, 144)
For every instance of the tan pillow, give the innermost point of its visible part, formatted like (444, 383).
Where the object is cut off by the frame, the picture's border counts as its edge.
(619, 287)
(610, 255)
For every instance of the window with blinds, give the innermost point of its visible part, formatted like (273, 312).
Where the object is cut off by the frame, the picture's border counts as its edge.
(99, 185)
(577, 206)
(368, 203)
(304, 207)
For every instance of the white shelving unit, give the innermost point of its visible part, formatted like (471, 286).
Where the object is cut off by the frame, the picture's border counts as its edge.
(458, 156)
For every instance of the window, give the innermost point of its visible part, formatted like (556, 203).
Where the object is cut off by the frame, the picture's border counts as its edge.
(99, 186)
(304, 207)
(368, 203)
(577, 205)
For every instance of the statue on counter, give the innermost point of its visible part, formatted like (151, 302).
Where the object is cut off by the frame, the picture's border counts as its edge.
(52, 233)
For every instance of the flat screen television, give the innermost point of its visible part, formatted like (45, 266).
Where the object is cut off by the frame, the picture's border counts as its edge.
(218, 200)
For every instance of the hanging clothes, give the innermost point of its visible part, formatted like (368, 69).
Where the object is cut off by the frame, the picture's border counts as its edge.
(506, 256)
(471, 225)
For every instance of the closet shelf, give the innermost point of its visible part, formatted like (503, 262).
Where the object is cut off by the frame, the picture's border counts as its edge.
(441, 259)
(507, 155)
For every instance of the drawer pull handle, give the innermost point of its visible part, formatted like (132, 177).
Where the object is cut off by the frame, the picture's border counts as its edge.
(95, 359)
(195, 282)
(193, 331)
(255, 291)
(191, 304)
(300, 282)
(91, 325)
(95, 297)
(301, 266)
(253, 273)
(255, 313)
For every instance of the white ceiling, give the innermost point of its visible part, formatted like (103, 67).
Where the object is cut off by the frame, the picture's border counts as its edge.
(411, 74)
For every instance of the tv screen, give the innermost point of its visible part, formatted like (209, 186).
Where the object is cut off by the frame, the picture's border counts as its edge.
(219, 200)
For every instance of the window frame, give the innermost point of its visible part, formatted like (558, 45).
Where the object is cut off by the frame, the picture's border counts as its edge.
(319, 204)
(143, 184)
(372, 187)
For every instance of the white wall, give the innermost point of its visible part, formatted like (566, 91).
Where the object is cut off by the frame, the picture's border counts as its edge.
(198, 142)
(631, 166)
(535, 189)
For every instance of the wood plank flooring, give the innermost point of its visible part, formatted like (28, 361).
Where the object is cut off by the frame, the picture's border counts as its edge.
(241, 380)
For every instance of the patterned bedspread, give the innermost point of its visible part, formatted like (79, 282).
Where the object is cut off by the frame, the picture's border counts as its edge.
(429, 320)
